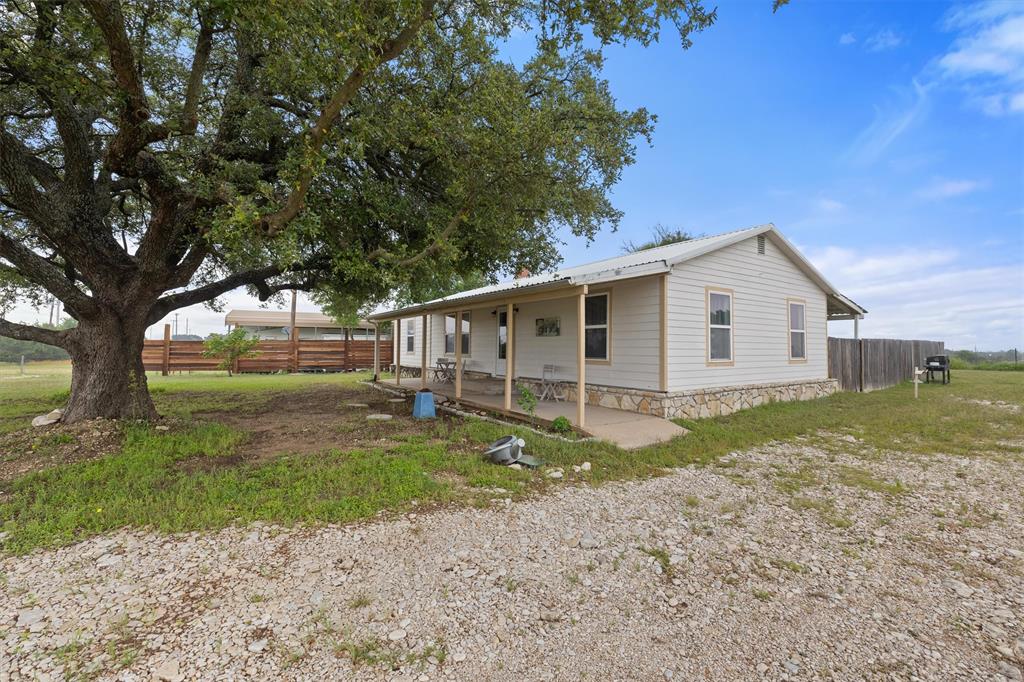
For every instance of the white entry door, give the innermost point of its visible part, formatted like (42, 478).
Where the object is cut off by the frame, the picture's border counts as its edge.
(499, 365)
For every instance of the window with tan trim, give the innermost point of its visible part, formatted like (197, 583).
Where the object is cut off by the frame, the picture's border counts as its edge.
(797, 330)
(720, 331)
(596, 326)
(410, 335)
(449, 333)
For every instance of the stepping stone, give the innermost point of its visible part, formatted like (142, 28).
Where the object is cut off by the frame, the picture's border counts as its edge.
(356, 405)
(379, 417)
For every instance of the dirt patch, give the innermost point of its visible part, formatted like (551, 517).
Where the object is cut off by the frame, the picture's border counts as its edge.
(320, 418)
(208, 464)
(35, 449)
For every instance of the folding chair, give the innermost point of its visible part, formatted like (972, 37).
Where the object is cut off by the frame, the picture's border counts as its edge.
(550, 388)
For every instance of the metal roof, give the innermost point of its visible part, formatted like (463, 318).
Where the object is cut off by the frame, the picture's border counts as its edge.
(282, 318)
(637, 264)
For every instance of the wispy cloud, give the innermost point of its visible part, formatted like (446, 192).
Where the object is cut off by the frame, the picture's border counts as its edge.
(828, 205)
(847, 39)
(947, 189)
(885, 39)
(889, 124)
(987, 56)
(931, 294)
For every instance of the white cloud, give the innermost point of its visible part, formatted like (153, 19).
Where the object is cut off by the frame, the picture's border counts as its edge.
(986, 58)
(847, 39)
(827, 205)
(885, 39)
(888, 126)
(947, 189)
(915, 294)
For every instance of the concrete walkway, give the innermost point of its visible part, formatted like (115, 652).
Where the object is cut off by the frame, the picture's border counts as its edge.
(628, 430)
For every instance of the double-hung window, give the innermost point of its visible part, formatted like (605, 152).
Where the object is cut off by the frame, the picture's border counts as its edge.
(449, 333)
(720, 341)
(410, 335)
(797, 331)
(596, 326)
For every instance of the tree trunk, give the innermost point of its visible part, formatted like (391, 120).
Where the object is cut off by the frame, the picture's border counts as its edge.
(108, 379)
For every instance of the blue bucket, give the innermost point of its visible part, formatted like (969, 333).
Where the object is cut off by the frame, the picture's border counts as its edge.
(423, 408)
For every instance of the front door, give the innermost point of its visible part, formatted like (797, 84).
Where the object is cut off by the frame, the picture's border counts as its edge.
(499, 366)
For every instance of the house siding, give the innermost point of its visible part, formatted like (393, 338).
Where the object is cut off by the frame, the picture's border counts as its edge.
(761, 285)
(635, 338)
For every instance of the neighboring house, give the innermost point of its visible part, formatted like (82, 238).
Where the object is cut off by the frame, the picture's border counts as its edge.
(276, 325)
(691, 329)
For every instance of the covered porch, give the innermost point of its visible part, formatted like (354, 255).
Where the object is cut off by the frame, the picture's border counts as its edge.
(626, 429)
(496, 354)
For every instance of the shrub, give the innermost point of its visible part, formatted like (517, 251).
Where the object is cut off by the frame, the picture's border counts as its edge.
(561, 425)
(229, 347)
(527, 401)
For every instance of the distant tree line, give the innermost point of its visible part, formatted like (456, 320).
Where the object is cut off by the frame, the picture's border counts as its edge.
(1011, 359)
(11, 350)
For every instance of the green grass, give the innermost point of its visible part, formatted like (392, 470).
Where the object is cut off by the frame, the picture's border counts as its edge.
(662, 557)
(148, 485)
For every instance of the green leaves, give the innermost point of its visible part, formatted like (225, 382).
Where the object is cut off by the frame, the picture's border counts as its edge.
(362, 148)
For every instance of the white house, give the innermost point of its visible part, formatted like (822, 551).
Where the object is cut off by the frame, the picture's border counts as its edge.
(692, 329)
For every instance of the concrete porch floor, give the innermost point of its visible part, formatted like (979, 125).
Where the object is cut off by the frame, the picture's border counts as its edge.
(626, 429)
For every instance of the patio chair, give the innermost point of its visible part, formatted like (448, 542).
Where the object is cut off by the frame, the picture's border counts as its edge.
(551, 388)
(445, 372)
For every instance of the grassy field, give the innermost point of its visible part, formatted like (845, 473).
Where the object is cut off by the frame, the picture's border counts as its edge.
(202, 473)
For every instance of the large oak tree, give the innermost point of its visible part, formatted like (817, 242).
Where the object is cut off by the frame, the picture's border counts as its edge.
(160, 153)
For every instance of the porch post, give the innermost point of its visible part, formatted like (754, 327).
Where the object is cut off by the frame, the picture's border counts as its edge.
(509, 351)
(581, 359)
(396, 347)
(376, 351)
(663, 346)
(423, 355)
(856, 326)
(458, 355)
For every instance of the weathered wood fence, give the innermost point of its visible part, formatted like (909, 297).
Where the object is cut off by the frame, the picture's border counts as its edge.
(271, 356)
(869, 364)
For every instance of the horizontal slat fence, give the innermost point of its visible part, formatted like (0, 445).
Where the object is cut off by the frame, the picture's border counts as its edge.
(271, 356)
(870, 364)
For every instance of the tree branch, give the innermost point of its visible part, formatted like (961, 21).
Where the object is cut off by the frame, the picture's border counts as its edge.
(210, 291)
(204, 43)
(38, 270)
(434, 247)
(16, 174)
(272, 223)
(134, 131)
(25, 332)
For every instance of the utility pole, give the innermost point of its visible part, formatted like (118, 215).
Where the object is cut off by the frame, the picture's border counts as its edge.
(175, 324)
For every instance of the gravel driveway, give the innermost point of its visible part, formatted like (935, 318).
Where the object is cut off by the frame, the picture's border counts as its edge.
(787, 562)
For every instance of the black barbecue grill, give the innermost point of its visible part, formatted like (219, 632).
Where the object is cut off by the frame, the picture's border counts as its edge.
(940, 364)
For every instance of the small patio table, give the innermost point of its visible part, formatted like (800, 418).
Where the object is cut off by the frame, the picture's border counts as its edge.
(550, 388)
(445, 371)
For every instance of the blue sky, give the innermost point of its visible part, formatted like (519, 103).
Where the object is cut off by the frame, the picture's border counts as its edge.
(886, 140)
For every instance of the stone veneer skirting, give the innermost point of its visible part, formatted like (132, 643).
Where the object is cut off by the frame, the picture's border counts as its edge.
(708, 402)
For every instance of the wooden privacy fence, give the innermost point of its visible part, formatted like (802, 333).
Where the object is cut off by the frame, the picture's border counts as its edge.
(869, 364)
(271, 356)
